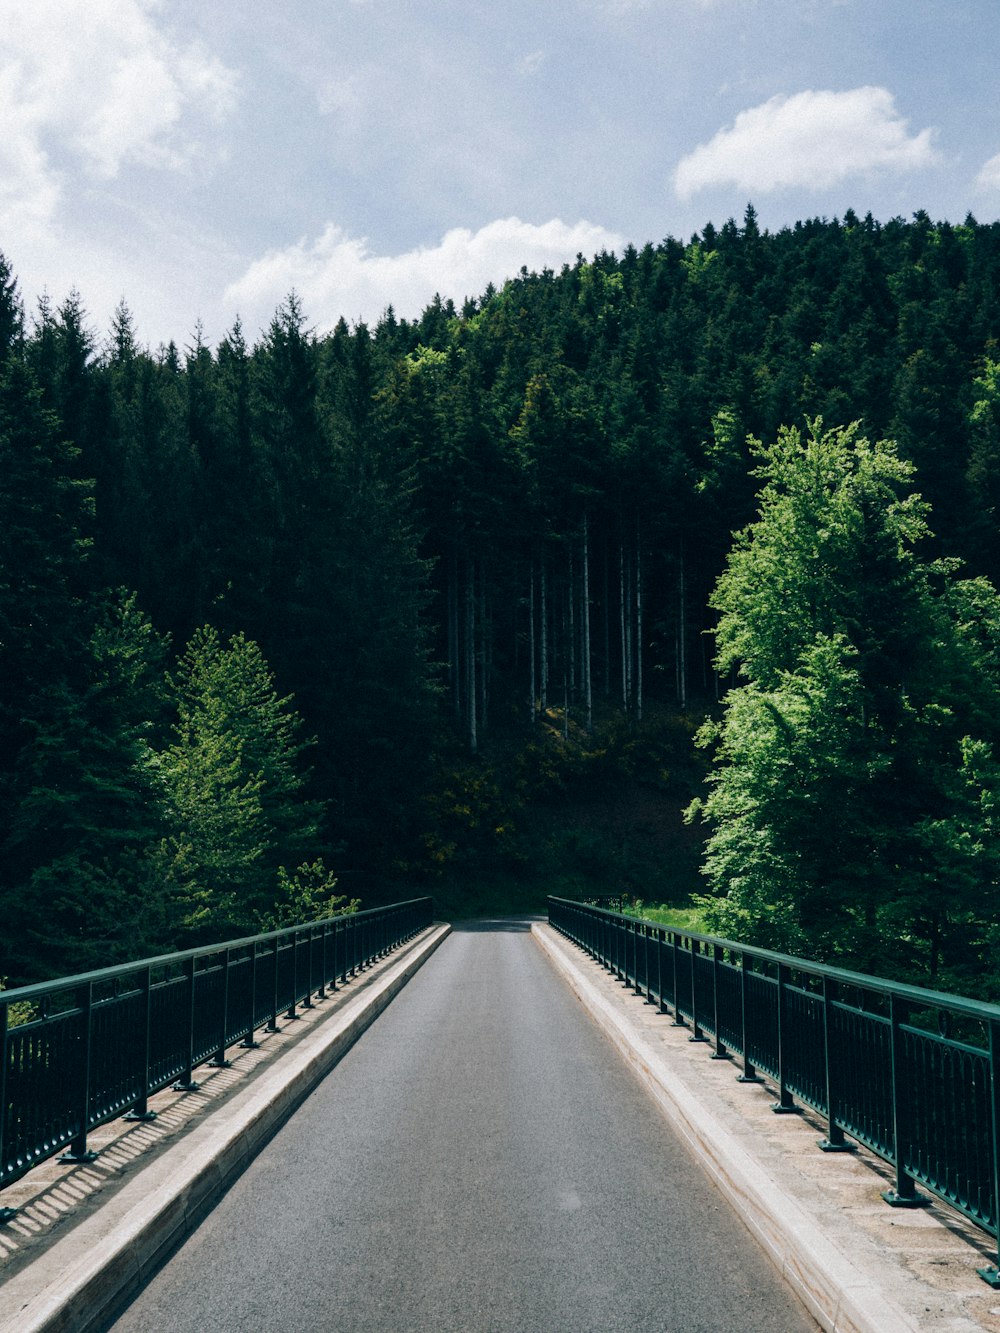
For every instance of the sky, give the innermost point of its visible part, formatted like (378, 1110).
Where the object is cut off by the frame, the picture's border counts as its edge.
(200, 159)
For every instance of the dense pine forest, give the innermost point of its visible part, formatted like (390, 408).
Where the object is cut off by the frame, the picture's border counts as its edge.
(445, 604)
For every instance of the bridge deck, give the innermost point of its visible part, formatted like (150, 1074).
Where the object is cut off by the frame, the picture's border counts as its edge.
(480, 1160)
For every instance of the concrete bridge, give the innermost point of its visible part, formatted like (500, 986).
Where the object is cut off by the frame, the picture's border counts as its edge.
(484, 1157)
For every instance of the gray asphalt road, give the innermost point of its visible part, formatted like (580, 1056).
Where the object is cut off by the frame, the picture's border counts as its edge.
(481, 1161)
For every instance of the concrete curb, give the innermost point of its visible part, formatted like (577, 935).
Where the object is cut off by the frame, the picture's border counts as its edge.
(840, 1297)
(84, 1279)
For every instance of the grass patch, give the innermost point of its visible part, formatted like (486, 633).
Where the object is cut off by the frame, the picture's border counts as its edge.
(681, 918)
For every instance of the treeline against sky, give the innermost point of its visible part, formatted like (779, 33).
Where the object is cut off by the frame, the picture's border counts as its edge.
(258, 600)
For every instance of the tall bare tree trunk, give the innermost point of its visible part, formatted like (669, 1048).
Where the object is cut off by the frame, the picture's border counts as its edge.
(454, 654)
(681, 634)
(607, 619)
(571, 618)
(533, 696)
(544, 701)
(485, 654)
(638, 625)
(624, 623)
(587, 683)
(470, 654)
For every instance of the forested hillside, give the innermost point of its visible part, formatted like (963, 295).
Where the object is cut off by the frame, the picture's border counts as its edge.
(362, 612)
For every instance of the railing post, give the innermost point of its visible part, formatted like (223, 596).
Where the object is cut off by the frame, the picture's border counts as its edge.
(635, 956)
(290, 1013)
(141, 1112)
(186, 1081)
(272, 1022)
(905, 1194)
(248, 1042)
(660, 936)
(78, 1151)
(321, 992)
(5, 1213)
(749, 1074)
(333, 968)
(218, 1060)
(675, 950)
(784, 1105)
(834, 1141)
(307, 1000)
(991, 1273)
(720, 1052)
(696, 1032)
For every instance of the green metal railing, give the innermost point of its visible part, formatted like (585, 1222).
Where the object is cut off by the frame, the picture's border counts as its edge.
(96, 1046)
(912, 1074)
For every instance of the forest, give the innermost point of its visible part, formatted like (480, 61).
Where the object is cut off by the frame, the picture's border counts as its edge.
(481, 603)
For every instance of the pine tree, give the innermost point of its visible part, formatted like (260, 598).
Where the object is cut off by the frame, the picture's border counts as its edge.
(235, 785)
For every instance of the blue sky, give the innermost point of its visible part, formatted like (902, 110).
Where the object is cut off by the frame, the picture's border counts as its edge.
(202, 158)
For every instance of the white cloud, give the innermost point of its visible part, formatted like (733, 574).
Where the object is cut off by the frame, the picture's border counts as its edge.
(93, 85)
(989, 176)
(531, 64)
(337, 275)
(810, 139)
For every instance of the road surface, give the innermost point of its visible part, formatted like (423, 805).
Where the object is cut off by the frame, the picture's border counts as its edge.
(481, 1161)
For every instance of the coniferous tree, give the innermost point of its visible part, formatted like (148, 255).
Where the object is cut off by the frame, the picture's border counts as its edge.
(235, 786)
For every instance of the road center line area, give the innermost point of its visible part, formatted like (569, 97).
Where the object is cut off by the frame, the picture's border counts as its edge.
(481, 1159)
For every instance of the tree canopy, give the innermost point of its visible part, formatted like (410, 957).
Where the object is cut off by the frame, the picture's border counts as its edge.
(473, 554)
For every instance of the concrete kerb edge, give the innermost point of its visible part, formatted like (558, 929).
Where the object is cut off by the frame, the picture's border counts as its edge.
(835, 1293)
(97, 1272)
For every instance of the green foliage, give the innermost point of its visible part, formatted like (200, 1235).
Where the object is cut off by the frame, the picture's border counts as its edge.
(90, 812)
(21, 1011)
(495, 528)
(306, 895)
(235, 788)
(853, 768)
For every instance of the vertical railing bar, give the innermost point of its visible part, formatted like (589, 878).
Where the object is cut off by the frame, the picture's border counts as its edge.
(674, 956)
(78, 1151)
(248, 1041)
(186, 1081)
(290, 1014)
(905, 1195)
(324, 936)
(785, 1104)
(834, 1141)
(749, 1074)
(140, 1112)
(696, 1032)
(6, 1213)
(218, 1060)
(720, 1052)
(991, 1273)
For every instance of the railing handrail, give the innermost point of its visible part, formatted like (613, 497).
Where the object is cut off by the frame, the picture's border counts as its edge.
(36, 989)
(917, 996)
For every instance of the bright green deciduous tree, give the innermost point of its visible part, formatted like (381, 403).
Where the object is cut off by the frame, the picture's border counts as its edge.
(854, 756)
